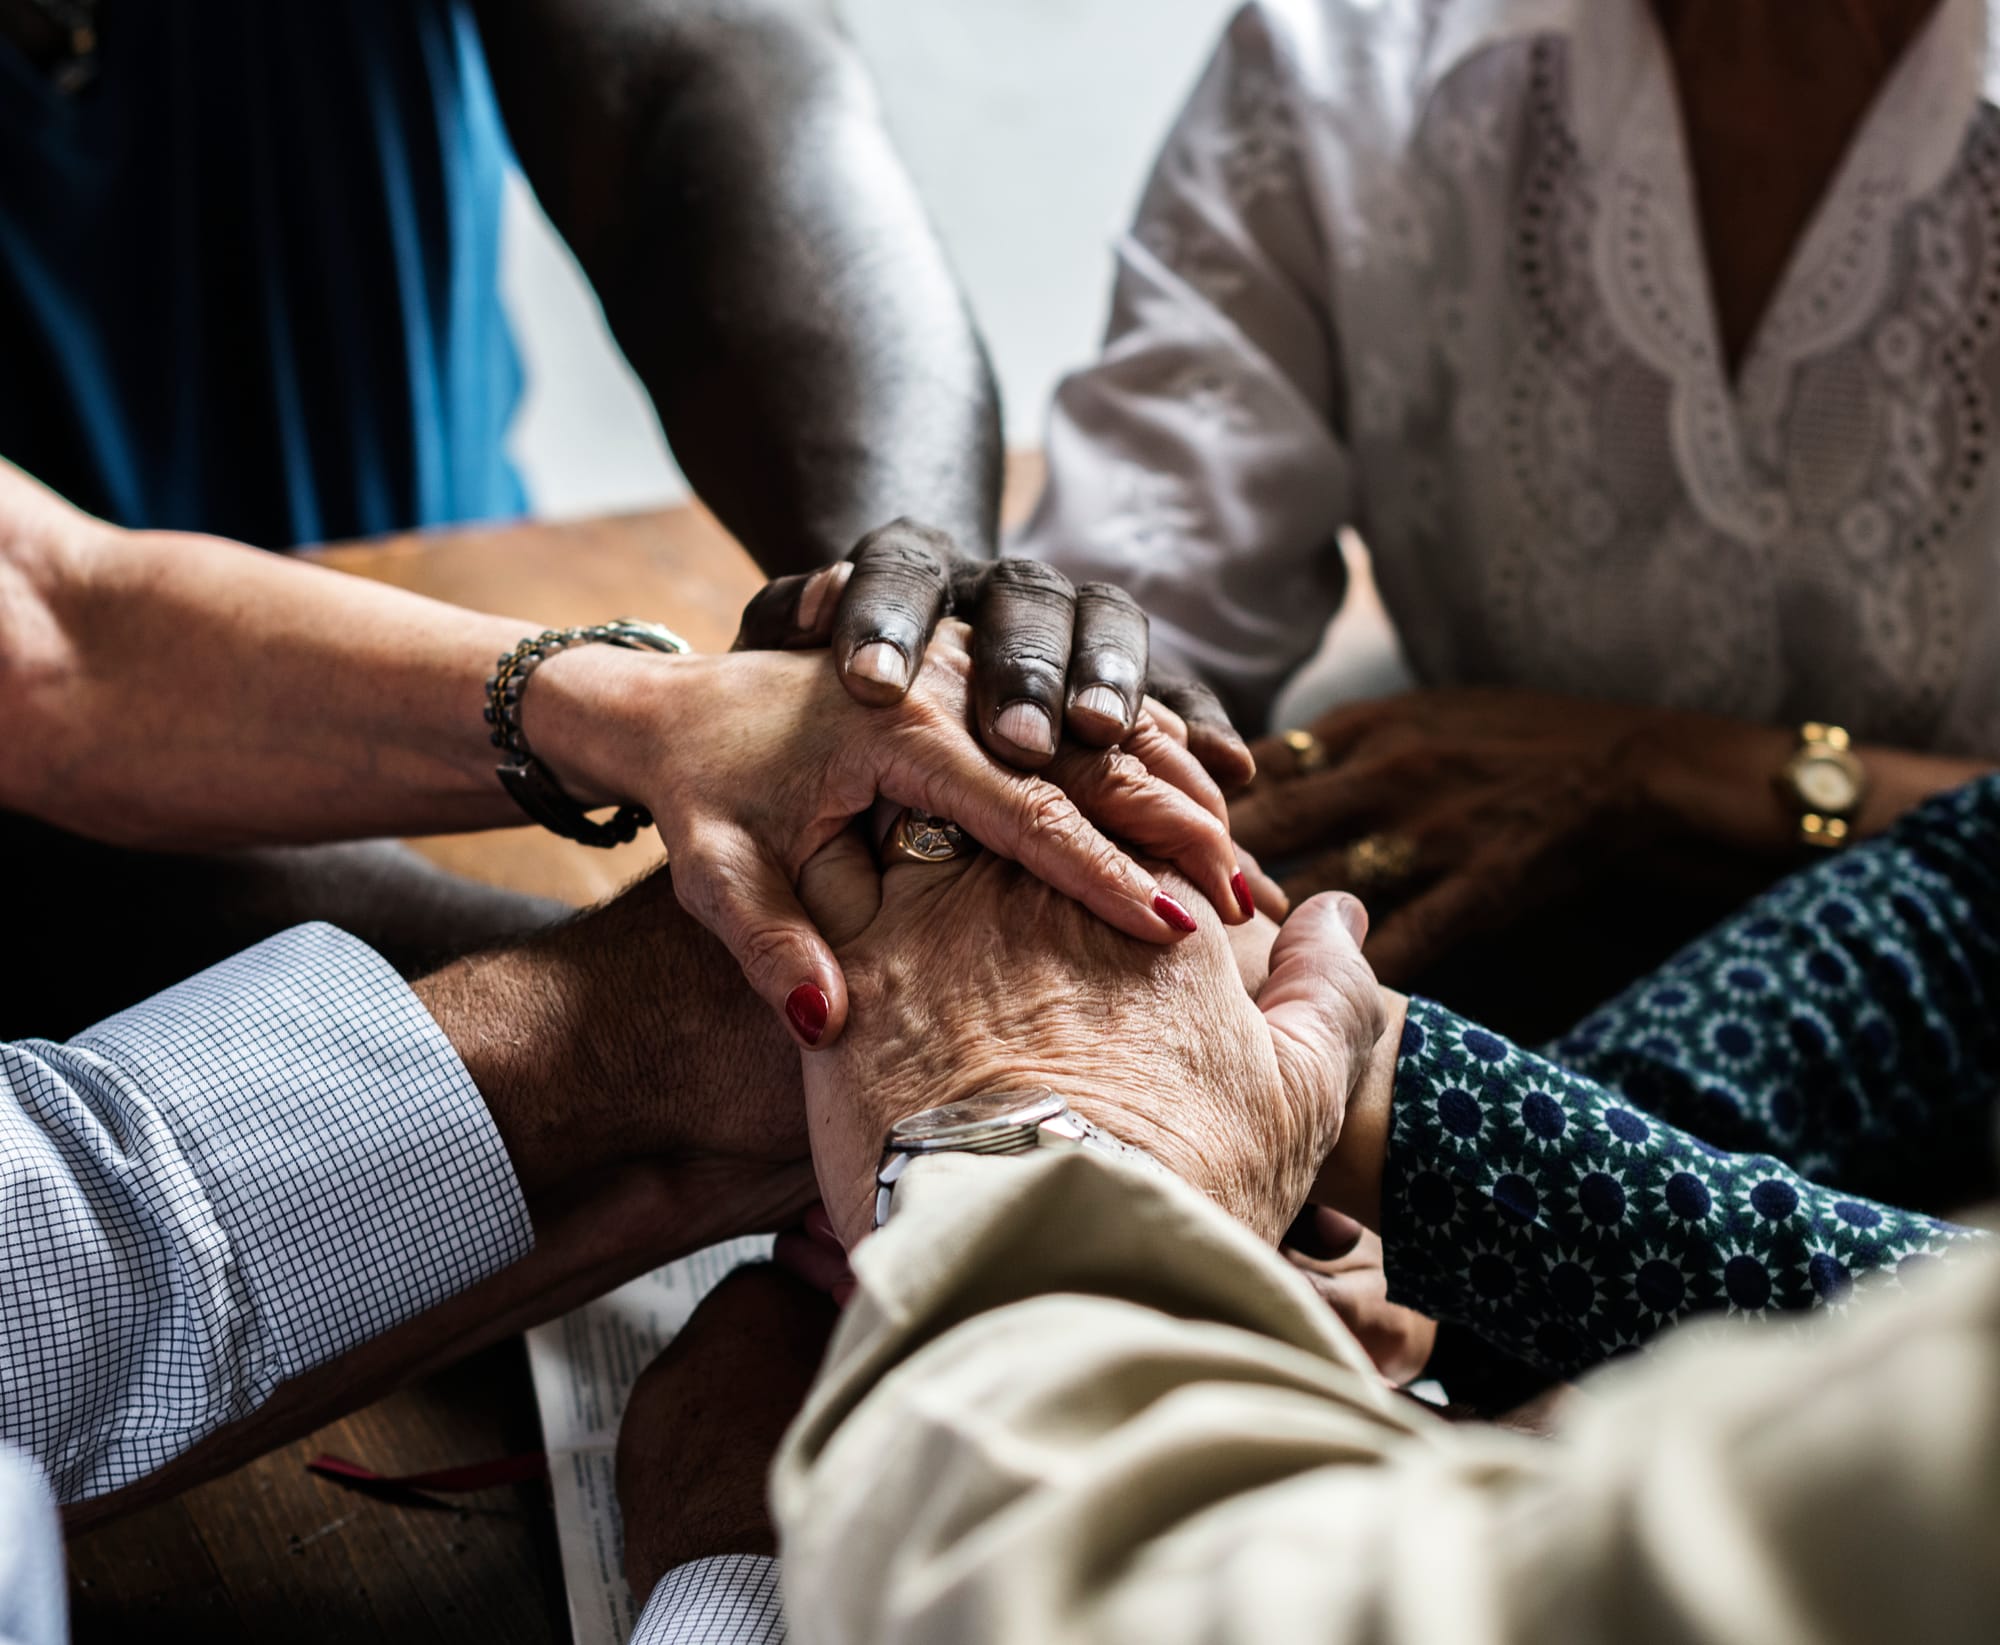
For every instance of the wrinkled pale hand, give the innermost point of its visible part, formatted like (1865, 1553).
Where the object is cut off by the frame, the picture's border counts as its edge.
(1049, 660)
(971, 976)
(1505, 799)
(769, 758)
(1340, 1258)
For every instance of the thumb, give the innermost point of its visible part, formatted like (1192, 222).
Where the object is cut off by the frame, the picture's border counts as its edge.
(747, 900)
(841, 886)
(1322, 1005)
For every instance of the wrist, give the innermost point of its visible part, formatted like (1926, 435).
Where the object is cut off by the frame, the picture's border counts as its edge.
(594, 712)
(512, 1018)
(1351, 1179)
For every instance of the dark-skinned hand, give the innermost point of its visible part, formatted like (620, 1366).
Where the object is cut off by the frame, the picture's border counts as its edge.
(1496, 800)
(704, 1420)
(1049, 659)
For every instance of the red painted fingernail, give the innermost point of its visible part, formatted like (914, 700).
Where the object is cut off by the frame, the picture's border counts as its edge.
(1241, 887)
(808, 1009)
(1172, 912)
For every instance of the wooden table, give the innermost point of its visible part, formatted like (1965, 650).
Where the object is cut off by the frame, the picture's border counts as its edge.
(271, 1552)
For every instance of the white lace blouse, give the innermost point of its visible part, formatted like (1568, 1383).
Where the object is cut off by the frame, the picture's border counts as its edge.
(1434, 272)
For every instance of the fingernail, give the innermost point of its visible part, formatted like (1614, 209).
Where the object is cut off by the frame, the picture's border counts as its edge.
(821, 585)
(1102, 701)
(1172, 912)
(1354, 917)
(1026, 725)
(880, 661)
(808, 1009)
(1244, 900)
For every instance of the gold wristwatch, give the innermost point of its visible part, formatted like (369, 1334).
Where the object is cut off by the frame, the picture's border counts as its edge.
(1825, 779)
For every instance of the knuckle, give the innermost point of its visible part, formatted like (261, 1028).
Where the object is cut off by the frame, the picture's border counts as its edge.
(1032, 581)
(904, 549)
(1046, 818)
(762, 947)
(1109, 598)
(1124, 773)
(909, 532)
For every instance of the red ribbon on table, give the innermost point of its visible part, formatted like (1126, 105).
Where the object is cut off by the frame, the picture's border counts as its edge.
(474, 1476)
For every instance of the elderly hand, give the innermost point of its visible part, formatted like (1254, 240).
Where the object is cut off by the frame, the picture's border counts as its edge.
(1047, 657)
(704, 1420)
(752, 761)
(1453, 811)
(968, 976)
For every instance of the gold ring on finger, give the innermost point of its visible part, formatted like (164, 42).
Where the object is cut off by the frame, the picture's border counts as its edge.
(1380, 863)
(919, 837)
(1308, 752)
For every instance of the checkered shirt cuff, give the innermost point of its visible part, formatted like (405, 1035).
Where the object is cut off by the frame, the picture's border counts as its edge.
(242, 1178)
(729, 1599)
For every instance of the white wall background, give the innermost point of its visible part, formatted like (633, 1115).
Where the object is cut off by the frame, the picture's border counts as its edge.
(1028, 126)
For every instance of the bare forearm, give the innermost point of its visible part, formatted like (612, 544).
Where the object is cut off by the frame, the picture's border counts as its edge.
(1716, 779)
(178, 691)
(721, 169)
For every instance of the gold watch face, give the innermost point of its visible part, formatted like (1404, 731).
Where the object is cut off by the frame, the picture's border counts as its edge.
(1827, 785)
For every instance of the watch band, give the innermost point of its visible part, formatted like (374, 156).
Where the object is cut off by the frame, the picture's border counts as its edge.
(532, 784)
(1032, 1120)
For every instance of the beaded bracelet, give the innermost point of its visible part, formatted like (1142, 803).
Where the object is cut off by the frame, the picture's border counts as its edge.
(533, 786)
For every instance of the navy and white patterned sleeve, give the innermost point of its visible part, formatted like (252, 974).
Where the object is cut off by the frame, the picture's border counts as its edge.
(1722, 1135)
(1846, 1021)
(730, 1599)
(238, 1180)
(1558, 1222)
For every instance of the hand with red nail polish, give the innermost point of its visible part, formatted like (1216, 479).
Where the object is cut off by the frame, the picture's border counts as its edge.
(751, 762)
(971, 976)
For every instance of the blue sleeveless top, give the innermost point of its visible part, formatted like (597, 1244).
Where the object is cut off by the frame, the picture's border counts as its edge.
(249, 278)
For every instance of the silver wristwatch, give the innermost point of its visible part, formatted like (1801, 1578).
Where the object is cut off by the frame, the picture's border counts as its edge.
(994, 1122)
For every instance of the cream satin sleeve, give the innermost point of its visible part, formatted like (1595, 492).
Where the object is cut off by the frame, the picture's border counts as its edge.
(1198, 463)
(1072, 1403)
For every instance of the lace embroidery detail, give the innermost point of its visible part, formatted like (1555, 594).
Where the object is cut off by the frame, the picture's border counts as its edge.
(1197, 256)
(1148, 514)
(1256, 150)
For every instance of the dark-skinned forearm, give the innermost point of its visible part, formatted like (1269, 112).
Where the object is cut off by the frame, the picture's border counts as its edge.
(722, 172)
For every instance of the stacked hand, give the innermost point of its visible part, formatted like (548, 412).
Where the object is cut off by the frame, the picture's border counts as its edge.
(970, 976)
(1048, 659)
(752, 761)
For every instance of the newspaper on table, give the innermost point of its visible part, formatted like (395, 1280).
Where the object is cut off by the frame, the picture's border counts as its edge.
(583, 1366)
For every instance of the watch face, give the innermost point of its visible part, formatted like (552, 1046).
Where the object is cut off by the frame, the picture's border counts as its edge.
(1827, 785)
(992, 1113)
